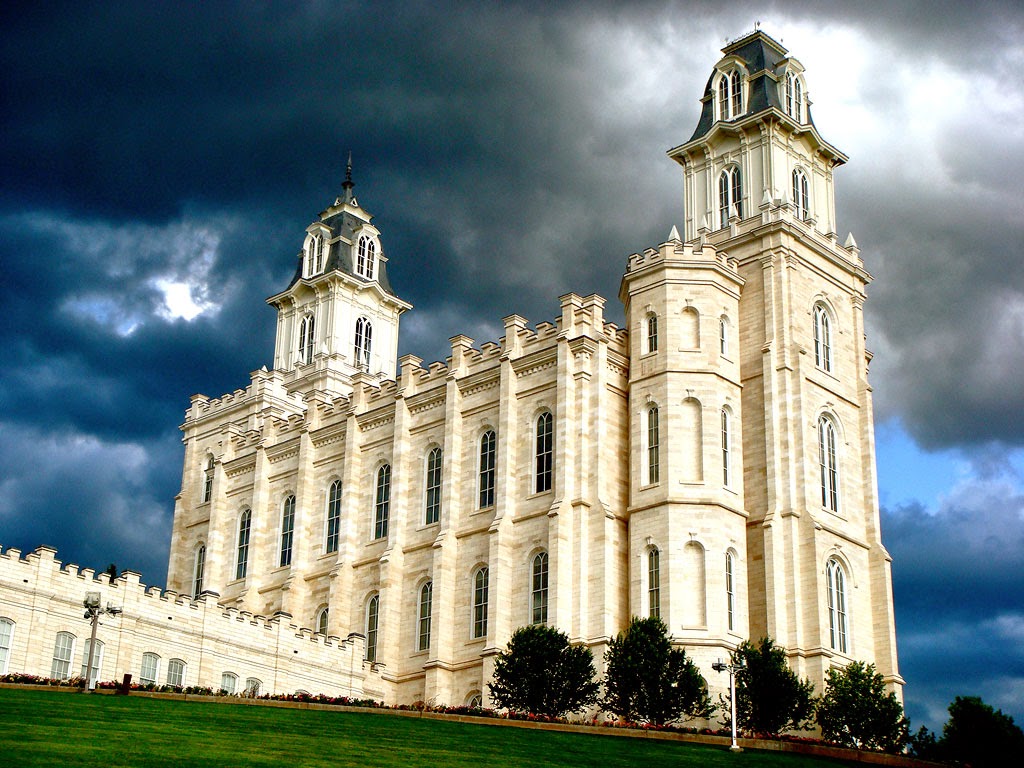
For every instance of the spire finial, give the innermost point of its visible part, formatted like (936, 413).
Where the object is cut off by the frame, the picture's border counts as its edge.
(348, 179)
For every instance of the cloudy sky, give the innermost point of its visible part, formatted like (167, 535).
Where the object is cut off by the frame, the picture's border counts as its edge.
(160, 162)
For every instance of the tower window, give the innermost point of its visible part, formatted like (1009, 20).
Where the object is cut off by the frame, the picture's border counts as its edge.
(366, 257)
(654, 583)
(208, 480)
(321, 621)
(287, 531)
(794, 97)
(723, 336)
(653, 445)
(539, 590)
(730, 593)
(545, 452)
(333, 516)
(801, 199)
(433, 496)
(730, 195)
(652, 332)
(836, 586)
(488, 451)
(242, 550)
(307, 337)
(730, 96)
(828, 464)
(372, 616)
(822, 338)
(198, 571)
(480, 590)
(363, 343)
(382, 509)
(426, 609)
(314, 259)
(726, 449)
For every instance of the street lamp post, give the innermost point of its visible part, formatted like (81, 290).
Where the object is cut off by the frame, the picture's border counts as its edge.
(721, 666)
(93, 611)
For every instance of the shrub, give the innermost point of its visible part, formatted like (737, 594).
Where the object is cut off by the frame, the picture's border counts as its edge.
(857, 711)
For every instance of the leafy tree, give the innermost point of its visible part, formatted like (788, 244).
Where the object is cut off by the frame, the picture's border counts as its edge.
(857, 711)
(924, 745)
(980, 736)
(647, 680)
(542, 674)
(770, 698)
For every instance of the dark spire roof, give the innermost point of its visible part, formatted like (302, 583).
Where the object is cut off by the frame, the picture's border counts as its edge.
(348, 184)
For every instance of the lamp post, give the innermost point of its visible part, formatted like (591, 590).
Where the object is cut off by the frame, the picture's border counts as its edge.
(721, 666)
(93, 611)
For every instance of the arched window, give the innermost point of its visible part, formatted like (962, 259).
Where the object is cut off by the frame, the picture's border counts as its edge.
(150, 669)
(63, 648)
(837, 627)
(372, 614)
(176, 673)
(366, 257)
(726, 448)
(321, 621)
(801, 199)
(363, 343)
(333, 516)
(242, 550)
(652, 332)
(654, 582)
(730, 593)
(208, 480)
(6, 641)
(382, 508)
(794, 97)
(426, 608)
(653, 445)
(730, 195)
(253, 686)
(198, 571)
(723, 336)
(730, 96)
(545, 452)
(488, 453)
(822, 338)
(287, 531)
(314, 261)
(228, 683)
(433, 496)
(475, 700)
(307, 337)
(480, 589)
(539, 590)
(828, 463)
(97, 660)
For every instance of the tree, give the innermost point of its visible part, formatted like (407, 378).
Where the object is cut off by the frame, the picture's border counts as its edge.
(647, 680)
(770, 698)
(857, 711)
(542, 674)
(980, 736)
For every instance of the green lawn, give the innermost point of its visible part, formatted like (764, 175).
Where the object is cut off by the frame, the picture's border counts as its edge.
(54, 728)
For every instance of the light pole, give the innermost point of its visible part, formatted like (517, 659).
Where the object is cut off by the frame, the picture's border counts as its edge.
(93, 612)
(721, 666)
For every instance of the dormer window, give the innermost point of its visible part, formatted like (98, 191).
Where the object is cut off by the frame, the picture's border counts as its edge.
(794, 97)
(313, 262)
(730, 96)
(366, 257)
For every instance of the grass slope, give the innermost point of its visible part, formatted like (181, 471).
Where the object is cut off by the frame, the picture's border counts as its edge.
(54, 728)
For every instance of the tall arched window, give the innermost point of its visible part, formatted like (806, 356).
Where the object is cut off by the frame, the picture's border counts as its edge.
(794, 97)
(372, 615)
(363, 343)
(488, 453)
(314, 261)
(208, 480)
(333, 517)
(199, 570)
(382, 508)
(150, 669)
(97, 660)
(321, 621)
(653, 445)
(480, 596)
(433, 495)
(730, 195)
(242, 549)
(730, 96)
(652, 332)
(426, 609)
(828, 463)
(654, 582)
(307, 339)
(822, 338)
(545, 452)
(801, 198)
(730, 593)
(539, 590)
(287, 531)
(366, 257)
(176, 673)
(6, 641)
(63, 648)
(726, 448)
(723, 336)
(837, 627)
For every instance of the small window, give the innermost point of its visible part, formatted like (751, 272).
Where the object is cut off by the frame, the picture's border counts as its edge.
(828, 464)
(287, 531)
(372, 614)
(539, 590)
(228, 683)
(176, 673)
(208, 480)
(242, 556)
(150, 669)
(654, 583)
(730, 594)
(433, 495)
(366, 257)
(97, 660)
(653, 445)
(321, 621)
(836, 584)
(801, 200)
(382, 508)
(488, 454)
(480, 590)
(652, 332)
(63, 648)
(723, 336)
(253, 686)
(726, 448)
(6, 641)
(426, 609)
(475, 701)
(730, 96)
(730, 195)
(198, 571)
(363, 343)
(822, 338)
(333, 517)
(545, 452)
(307, 339)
